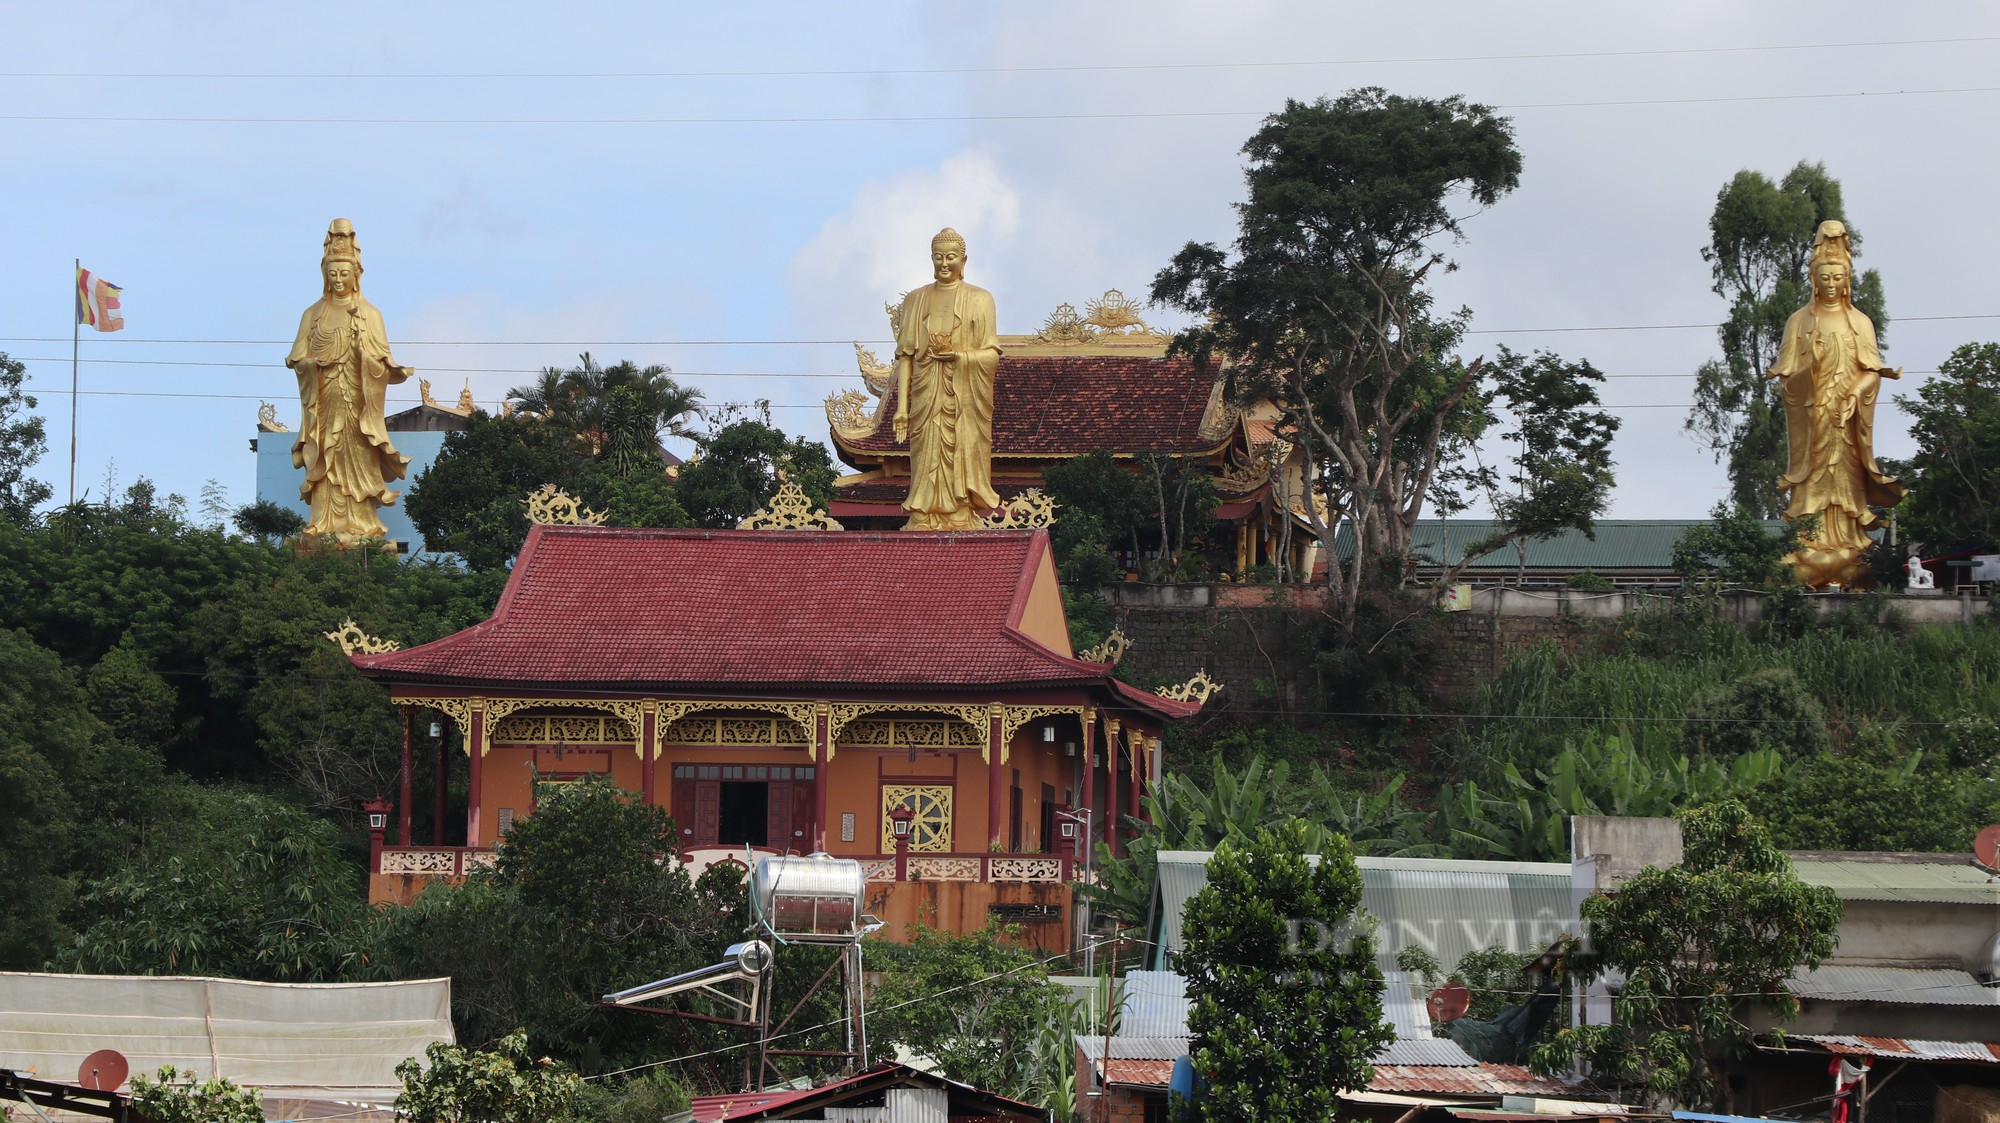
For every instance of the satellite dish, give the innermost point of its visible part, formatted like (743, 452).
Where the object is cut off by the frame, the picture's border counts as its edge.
(1449, 1002)
(1986, 847)
(103, 1071)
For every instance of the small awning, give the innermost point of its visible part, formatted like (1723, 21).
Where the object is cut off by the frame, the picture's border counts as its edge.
(1903, 1048)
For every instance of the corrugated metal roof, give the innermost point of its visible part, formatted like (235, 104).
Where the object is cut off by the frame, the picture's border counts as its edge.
(1155, 1005)
(1619, 544)
(1403, 1007)
(1476, 1080)
(1904, 1047)
(1437, 1051)
(1447, 908)
(1942, 883)
(1133, 1048)
(1914, 986)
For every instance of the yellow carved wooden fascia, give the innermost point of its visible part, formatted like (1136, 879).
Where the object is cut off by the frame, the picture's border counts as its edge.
(550, 505)
(459, 710)
(790, 509)
(1241, 479)
(1018, 716)
(840, 713)
(353, 641)
(1196, 689)
(1031, 508)
(799, 713)
(1111, 650)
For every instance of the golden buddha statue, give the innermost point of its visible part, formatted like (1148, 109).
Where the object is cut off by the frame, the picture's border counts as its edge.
(946, 353)
(342, 360)
(1830, 373)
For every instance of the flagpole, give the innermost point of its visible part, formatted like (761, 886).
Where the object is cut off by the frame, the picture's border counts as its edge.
(75, 332)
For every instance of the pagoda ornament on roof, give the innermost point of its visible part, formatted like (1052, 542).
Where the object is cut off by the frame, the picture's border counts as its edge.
(549, 505)
(1031, 508)
(354, 641)
(790, 509)
(1196, 689)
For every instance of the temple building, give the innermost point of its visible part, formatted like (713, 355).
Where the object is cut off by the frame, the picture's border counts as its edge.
(1089, 381)
(792, 691)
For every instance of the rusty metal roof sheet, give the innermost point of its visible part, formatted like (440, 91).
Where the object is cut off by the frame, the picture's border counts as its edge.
(1904, 1048)
(1912, 986)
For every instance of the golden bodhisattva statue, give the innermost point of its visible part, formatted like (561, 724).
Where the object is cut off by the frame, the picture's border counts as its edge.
(1830, 373)
(344, 367)
(946, 353)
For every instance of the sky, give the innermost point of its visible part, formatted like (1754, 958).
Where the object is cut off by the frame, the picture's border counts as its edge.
(734, 191)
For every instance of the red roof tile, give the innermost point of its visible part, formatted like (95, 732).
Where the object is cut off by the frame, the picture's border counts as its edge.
(710, 610)
(1120, 1070)
(1068, 405)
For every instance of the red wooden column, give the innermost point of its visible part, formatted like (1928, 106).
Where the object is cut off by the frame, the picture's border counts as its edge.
(996, 788)
(475, 754)
(439, 783)
(822, 774)
(408, 778)
(1140, 745)
(649, 748)
(1111, 787)
(1087, 791)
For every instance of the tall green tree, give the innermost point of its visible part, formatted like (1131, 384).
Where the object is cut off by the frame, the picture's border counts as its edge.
(581, 904)
(1955, 477)
(1285, 997)
(1325, 306)
(1760, 240)
(736, 472)
(1562, 476)
(23, 441)
(1699, 944)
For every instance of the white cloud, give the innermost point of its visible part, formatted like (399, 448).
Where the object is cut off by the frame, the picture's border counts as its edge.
(880, 246)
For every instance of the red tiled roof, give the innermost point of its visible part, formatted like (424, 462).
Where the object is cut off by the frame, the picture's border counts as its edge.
(711, 610)
(1119, 1070)
(1068, 405)
(1483, 1079)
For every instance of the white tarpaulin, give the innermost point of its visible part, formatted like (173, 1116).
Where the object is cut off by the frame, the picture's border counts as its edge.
(326, 1041)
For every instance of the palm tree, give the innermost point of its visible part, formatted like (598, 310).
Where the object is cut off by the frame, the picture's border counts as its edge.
(621, 410)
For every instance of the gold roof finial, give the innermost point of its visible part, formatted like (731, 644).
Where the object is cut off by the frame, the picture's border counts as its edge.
(550, 505)
(354, 641)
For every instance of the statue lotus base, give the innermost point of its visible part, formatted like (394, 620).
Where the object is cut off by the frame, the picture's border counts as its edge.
(1817, 566)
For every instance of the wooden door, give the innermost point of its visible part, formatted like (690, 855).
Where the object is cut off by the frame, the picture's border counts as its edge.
(778, 817)
(707, 812)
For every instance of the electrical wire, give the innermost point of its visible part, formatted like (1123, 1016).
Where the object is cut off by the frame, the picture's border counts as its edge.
(1097, 68)
(924, 119)
(589, 343)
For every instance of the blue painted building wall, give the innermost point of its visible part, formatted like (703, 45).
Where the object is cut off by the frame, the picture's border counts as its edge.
(279, 482)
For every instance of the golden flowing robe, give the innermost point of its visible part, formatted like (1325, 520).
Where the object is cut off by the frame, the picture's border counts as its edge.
(950, 404)
(1829, 374)
(344, 368)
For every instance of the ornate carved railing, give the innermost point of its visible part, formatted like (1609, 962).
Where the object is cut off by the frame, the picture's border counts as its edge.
(433, 861)
(457, 861)
(1043, 868)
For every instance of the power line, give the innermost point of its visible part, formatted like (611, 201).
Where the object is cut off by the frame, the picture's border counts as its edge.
(1098, 68)
(927, 118)
(678, 374)
(587, 343)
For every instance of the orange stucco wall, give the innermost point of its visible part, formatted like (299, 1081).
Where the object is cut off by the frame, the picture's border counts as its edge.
(1042, 618)
(960, 907)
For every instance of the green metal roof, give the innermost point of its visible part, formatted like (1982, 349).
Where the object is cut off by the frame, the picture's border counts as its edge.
(1446, 907)
(1620, 544)
(1957, 883)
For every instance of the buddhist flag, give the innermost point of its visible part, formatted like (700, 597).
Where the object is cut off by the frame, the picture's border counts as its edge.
(97, 302)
